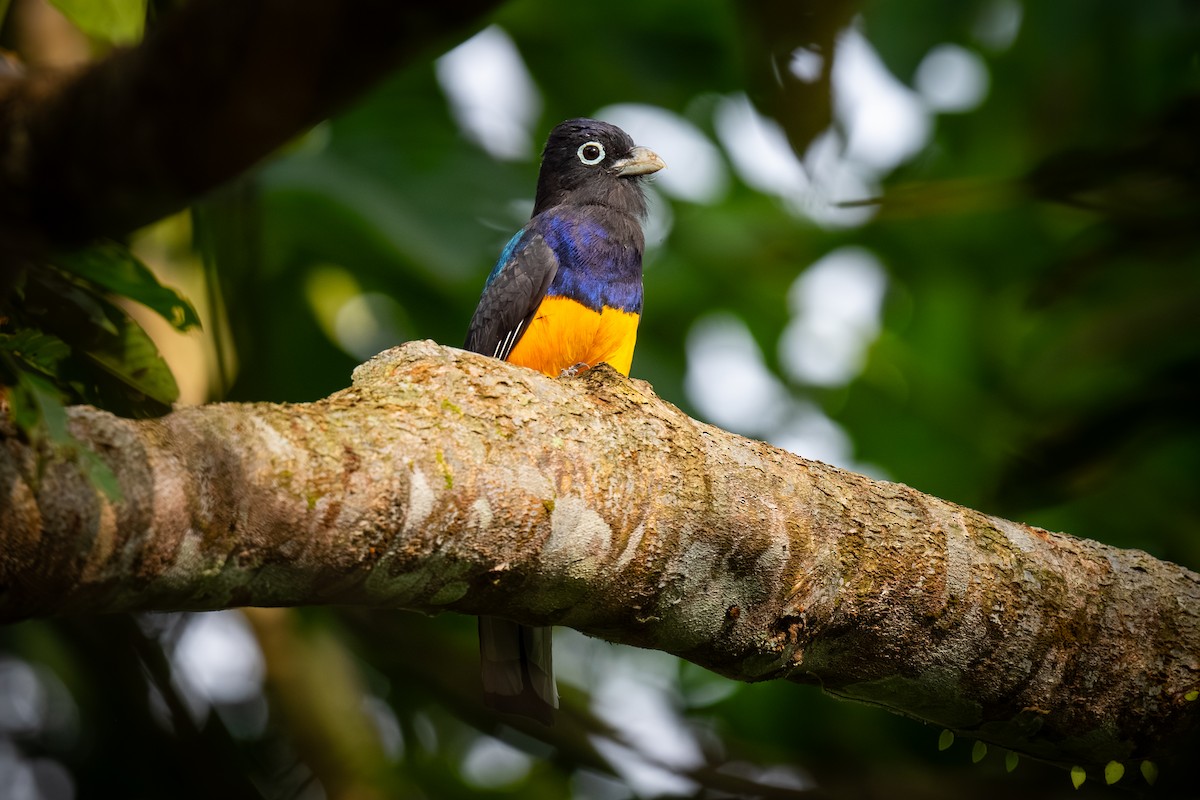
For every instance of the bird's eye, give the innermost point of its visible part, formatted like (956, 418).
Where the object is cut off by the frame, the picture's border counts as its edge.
(591, 153)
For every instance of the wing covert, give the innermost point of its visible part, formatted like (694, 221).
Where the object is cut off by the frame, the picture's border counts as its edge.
(512, 295)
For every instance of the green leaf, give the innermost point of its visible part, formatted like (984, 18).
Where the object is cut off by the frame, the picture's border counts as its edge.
(1192, 695)
(99, 474)
(1078, 776)
(1113, 772)
(115, 269)
(1010, 761)
(116, 21)
(978, 751)
(38, 409)
(105, 343)
(48, 290)
(35, 349)
(132, 357)
(1150, 772)
(945, 740)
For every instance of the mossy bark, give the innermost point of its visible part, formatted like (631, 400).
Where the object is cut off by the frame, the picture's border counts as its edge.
(442, 480)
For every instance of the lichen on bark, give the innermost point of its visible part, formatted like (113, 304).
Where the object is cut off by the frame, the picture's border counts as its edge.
(441, 480)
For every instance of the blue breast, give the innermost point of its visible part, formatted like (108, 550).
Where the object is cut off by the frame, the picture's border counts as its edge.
(595, 268)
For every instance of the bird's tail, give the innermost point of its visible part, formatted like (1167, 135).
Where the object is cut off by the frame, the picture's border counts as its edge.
(518, 669)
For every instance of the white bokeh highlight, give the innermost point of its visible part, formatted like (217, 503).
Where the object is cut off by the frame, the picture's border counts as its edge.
(22, 699)
(806, 64)
(952, 79)
(880, 124)
(727, 379)
(758, 149)
(492, 764)
(491, 93)
(660, 218)
(884, 120)
(638, 694)
(998, 24)
(386, 724)
(763, 159)
(218, 657)
(836, 179)
(836, 307)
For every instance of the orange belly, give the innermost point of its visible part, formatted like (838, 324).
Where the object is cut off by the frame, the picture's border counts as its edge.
(564, 333)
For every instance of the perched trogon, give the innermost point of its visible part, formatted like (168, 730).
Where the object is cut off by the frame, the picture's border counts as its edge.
(565, 295)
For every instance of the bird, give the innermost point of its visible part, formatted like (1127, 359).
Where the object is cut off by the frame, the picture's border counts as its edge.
(564, 296)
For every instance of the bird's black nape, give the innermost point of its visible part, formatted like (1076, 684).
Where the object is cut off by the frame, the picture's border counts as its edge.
(580, 167)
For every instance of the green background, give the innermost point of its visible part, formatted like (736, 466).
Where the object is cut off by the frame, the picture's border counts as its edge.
(1036, 358)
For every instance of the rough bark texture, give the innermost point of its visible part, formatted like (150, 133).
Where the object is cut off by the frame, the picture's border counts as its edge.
(445, 481)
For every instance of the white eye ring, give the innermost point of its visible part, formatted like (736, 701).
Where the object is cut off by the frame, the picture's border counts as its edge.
(594, 160)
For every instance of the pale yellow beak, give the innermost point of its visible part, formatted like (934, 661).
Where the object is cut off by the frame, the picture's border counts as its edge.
(640, 161)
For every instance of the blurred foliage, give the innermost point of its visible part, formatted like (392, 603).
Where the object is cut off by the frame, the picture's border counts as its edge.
(63, 340)
(1036, 359)
(111, 21)
(59, 327)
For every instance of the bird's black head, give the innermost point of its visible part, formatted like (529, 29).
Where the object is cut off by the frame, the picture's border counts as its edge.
(588, 162)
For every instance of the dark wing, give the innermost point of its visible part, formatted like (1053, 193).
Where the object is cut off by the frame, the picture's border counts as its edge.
(513, 293)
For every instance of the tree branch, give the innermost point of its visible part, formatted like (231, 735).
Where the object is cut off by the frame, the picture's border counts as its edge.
(139, 135)
(442, 480)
